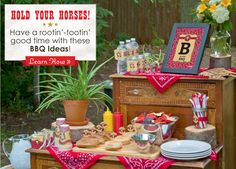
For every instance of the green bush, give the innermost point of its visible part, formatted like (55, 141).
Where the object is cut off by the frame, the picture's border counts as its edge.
(16, 87)
(156, 40)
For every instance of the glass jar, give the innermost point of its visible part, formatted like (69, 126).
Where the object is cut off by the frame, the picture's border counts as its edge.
(220, 42)
(132, 65)
(141, 63)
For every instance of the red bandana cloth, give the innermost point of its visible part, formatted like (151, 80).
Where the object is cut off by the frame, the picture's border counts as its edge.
(139, 163)
(162, 81)
(73, 160)
(159, 163)
(232, 69)
(79, 160)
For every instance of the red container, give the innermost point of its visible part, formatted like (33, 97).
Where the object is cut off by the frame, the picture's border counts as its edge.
(118, 121)
(36, 144)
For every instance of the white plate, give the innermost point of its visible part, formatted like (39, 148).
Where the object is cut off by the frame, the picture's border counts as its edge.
(171, 152)
(186, 155)
(185, 146)
(186, 158)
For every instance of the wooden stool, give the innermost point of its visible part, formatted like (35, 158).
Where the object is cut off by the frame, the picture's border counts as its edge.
(220, 62)
(207, 134)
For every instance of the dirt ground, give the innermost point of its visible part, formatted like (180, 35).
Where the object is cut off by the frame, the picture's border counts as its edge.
(21, 123)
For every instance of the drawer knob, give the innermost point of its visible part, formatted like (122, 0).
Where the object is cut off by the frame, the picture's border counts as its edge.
(134, 92)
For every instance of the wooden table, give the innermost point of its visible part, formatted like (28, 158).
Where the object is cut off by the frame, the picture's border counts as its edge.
(134, 95)
(41, 159)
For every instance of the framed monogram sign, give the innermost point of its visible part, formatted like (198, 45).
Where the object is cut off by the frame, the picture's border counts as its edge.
(185, 48)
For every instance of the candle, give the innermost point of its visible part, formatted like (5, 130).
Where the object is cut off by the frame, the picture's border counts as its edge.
(59, 121)
(65, 138)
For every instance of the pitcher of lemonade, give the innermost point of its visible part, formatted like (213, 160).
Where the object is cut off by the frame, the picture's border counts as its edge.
(18, 157)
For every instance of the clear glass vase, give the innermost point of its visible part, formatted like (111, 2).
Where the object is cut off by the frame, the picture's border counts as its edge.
(220, 43)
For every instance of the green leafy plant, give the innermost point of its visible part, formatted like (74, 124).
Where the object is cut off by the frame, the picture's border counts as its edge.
(156, 58)
(63, 86)
(16, 97)
(122, 36)
(157, 41)
(6, 133)
(112, 44)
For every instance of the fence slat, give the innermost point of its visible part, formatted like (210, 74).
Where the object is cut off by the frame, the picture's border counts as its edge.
(141, 20)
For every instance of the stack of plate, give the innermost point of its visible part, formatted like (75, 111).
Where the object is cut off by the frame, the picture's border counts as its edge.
(186, 149)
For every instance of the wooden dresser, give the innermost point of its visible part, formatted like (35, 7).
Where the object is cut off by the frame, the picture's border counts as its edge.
(134, 95)
(41, 159)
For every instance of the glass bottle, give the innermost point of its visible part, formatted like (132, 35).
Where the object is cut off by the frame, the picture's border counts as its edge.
(122, 63)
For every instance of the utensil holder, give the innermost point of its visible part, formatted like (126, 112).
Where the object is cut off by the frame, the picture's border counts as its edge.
(200, 117)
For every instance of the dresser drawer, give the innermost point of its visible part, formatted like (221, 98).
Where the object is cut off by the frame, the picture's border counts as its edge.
(141, 92)
(47, 162)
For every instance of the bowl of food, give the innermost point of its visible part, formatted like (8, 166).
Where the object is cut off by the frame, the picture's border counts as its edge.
(144, 141)
(157, 121)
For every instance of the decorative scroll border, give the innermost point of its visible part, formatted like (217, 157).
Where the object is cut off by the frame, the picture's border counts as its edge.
(200, 30)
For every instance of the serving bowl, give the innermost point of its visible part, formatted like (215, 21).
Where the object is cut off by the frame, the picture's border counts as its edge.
(167, 130)
(156, 130)
(144, 141)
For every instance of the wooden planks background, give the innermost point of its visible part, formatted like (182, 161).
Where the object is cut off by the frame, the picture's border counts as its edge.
(143, 19)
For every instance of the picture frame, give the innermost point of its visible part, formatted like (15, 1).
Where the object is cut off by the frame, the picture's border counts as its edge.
(185, 48)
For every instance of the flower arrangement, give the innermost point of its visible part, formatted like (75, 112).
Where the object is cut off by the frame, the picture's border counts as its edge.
(218, 14)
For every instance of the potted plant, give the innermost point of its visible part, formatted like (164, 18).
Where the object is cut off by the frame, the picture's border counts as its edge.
(153, 62)
(74, 92)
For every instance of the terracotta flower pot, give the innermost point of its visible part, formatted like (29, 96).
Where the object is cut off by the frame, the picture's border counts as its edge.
(76, 111)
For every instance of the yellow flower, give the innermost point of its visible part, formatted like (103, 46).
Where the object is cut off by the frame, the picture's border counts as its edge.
(201, 8)
(226, 3)
(212, 8)
(205, 0)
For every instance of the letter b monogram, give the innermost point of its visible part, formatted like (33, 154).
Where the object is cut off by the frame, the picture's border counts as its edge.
(184, 48)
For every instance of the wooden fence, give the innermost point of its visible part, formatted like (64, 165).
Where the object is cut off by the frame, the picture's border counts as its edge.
(143, 19)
